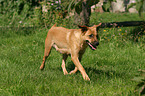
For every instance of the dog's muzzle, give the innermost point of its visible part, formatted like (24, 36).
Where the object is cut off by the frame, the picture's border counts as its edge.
(92, 45)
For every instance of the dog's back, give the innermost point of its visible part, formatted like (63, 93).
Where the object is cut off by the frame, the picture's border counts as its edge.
(59, 35)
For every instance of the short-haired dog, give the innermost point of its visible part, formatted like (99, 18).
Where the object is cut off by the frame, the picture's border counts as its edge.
(71, 42)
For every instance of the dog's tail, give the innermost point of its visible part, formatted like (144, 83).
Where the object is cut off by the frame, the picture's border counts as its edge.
(54, 25)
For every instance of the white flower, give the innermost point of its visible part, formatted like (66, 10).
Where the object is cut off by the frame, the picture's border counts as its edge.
(20, 21)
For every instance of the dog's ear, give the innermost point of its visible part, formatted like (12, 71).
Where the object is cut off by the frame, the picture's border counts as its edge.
(83, 28)
(54, 25)
(98, 25)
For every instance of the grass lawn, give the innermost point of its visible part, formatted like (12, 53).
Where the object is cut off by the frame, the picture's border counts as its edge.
(111, 67)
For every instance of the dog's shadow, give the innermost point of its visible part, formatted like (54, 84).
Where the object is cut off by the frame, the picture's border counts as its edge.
(98, 74)
(95, 72)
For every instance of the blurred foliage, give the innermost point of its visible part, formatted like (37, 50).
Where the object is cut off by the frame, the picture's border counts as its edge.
(77, 5)
(140, 78)
(139, 5)
(107, 4)
(53, 12)
(41, 12)
(19, 6)
(14, 12)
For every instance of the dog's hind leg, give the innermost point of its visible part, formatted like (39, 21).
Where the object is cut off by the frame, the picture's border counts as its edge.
(61, 50)
(48, 47)
(74, 71)
(63, 64)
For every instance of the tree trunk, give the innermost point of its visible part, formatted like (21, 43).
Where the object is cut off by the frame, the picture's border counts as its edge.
(84, 17)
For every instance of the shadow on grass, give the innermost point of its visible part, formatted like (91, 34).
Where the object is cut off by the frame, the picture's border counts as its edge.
(136, 33)
(94, 73)
(20, 31)
(99, 72)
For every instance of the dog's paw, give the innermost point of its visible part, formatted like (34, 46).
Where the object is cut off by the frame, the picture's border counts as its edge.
(86, 78)
(41, 67)
(72, 72)
(65, 73)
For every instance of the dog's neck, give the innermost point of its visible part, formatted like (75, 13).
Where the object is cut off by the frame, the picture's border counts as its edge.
(84, 45)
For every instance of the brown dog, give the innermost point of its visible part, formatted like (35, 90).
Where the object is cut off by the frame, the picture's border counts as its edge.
(73, 42)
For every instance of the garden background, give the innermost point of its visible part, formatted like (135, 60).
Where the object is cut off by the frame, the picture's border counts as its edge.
(116, 68)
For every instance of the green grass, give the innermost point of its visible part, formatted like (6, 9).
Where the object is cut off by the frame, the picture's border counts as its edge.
(110, 68)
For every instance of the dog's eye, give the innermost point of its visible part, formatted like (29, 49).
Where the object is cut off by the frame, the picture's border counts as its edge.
(91, 35)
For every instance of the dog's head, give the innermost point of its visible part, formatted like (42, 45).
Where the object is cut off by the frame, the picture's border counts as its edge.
(90, 35)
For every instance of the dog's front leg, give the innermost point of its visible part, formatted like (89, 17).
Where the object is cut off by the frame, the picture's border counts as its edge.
(80, 67)
(80, 58)
(63, 64)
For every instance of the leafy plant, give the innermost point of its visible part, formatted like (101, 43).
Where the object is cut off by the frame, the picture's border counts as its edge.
(11, 6)
(16, 10)
(77, 5)
(141, 82)
(139, 4)
(107, 4)
(52, 12)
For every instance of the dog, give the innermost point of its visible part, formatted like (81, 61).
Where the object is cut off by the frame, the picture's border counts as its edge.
(71, 42)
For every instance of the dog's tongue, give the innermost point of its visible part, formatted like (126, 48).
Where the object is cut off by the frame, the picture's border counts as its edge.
(91, 46)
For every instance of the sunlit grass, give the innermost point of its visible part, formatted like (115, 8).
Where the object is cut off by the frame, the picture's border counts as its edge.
(110, 68)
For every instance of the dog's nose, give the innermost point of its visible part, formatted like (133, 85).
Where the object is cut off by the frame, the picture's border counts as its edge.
(96, 43)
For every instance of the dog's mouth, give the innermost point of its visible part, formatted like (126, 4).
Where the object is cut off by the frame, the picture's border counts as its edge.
(93, 47)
